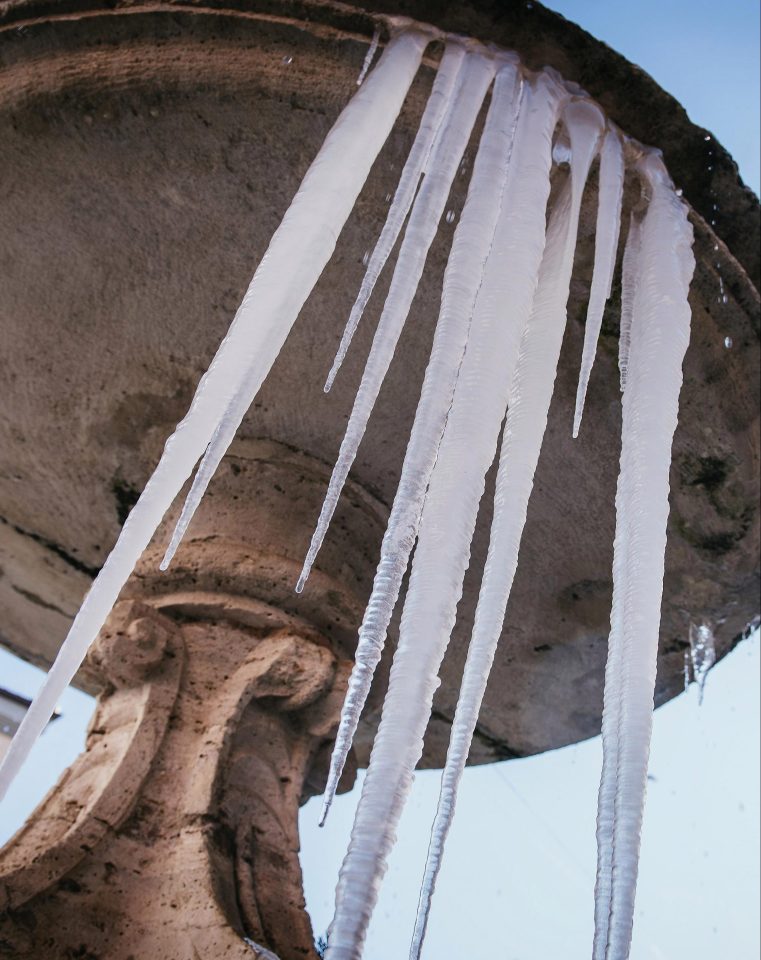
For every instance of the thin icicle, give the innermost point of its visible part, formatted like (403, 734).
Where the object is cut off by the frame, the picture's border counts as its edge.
(610, 195)
(296, 256)
(472, 241)
(659, 336)
(629, 283)
(477, 73)
(371, 51)
(446, 528)
(528, 409)
(611, 721)
(435, 111)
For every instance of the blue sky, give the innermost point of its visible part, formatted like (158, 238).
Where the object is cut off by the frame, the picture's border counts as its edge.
(704, 53)
(519, 872)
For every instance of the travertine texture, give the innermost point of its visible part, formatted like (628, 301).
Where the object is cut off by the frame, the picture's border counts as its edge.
(174, 836)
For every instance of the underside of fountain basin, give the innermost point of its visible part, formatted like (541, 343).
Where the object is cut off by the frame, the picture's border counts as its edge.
(147, 154)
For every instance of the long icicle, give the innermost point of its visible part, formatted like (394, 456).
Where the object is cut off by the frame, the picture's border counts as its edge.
(528, 409)
(305, 238)
(614, 667)
(611, 717)
(430, 125)
(441, 556)
(629, 284)
(477, 73)
(472, 242)
(660, 333)
(241, 399)
(610, 195)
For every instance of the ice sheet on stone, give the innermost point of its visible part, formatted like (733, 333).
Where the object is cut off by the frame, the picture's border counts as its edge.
(528, 408)
(467, 448)
(473, 239)
(305, 238)
(476, 75)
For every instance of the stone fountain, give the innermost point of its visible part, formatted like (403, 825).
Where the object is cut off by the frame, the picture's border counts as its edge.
(137, 153)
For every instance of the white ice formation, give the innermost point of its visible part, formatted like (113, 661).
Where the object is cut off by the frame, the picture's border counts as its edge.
(491, 372)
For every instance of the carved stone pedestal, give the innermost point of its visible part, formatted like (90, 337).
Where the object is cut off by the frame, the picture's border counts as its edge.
(174, 836)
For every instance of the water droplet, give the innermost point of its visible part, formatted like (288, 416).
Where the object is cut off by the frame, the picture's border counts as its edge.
(716, 247)
(287, 59)
(365, 258)
(154, 112)
(679, 192)
(529, 6)
(706, 138)
(450, 216)
(724, 298)
(561, 152)
(728, 343)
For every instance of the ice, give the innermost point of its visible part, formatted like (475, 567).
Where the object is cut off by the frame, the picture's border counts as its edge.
(442, 553)
(436, 110)
(629, 283)
(660, 329)
(477, 73)
(606, 244)
(472, 242)
(528, 408)
(299, 250)
(367, 62)
(702, 654)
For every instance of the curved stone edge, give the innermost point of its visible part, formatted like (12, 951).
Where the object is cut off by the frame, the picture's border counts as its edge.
(646, 112)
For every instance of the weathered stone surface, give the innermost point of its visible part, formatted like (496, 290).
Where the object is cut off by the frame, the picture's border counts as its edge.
(174, 836)
(147, 154)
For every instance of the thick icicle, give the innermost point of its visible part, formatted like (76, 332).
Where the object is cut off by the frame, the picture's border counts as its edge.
(430, 124)
(296, 256)
(241, 396)
(659, 336)
(528, 409)
(629, 283)
(441, 556)
(610, 194)
(477, 73)
(472, 241)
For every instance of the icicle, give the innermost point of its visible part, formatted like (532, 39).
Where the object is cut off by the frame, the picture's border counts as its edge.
(477, 73)
(611, 722)
(702, 655)
(436, 109)
(629, 283)
(243, 392)
(470, 249)
(371, 51)
(441, 556)
(659, 336)
(528, 409)
(296, 256)
(610, 194)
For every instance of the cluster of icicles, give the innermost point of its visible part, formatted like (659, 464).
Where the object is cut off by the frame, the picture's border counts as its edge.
(493, 361)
